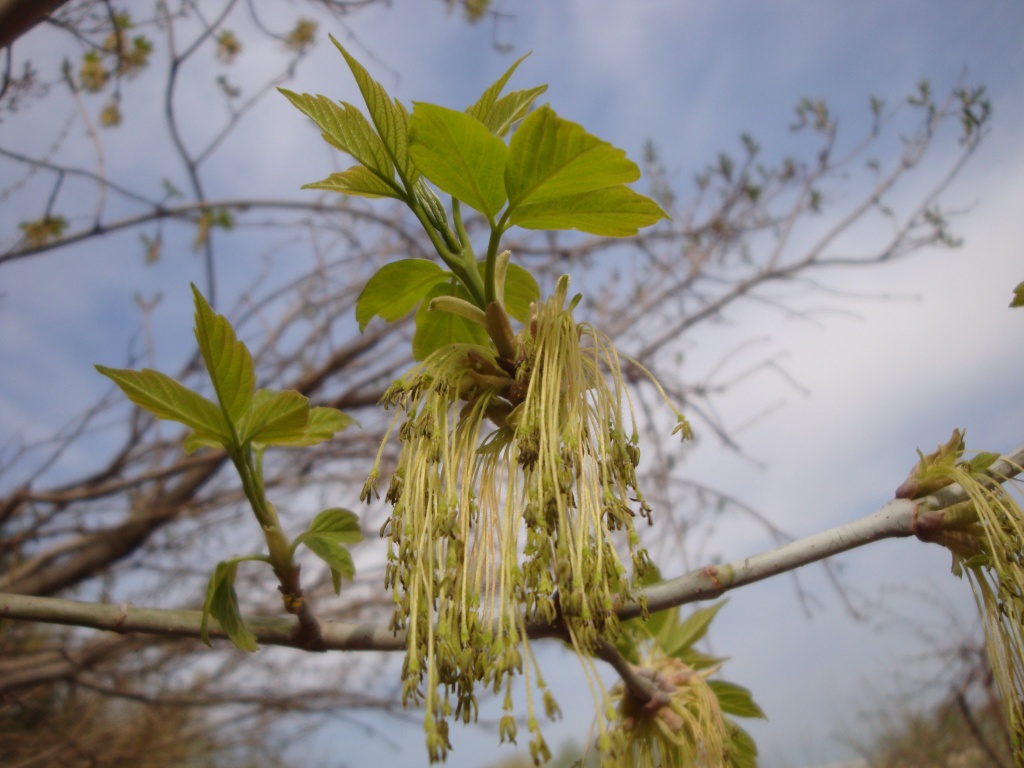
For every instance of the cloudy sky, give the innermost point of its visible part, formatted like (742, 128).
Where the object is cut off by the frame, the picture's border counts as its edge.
(875, 378)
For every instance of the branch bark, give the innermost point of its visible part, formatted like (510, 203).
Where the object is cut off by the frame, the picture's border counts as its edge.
(896, 519)
(19, 16)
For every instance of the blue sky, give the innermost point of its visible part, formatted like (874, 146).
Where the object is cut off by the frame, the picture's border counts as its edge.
(877, 378)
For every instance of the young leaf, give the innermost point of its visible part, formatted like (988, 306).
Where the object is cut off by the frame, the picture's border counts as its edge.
(612, 212)
(341, 524)
(327, 534)
(498, 114)
(389, 117)
(358, 181)
(165, 398)
(458, 154)
(222, 604)
(735, 699)
(482, 107)
(227, 360)
(437, 329)
(550, 157)
(680, 637)
(741, 751)
(510, 108)
(323, 423)
(396, 288)
(434, 208)
(346, 129)
(521, 290)
(275, 418)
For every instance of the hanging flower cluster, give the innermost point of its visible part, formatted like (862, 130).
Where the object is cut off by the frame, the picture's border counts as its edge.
(985, 533)
(513, 476)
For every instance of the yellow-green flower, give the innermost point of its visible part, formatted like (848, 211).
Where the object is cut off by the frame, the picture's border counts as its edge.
(515, 481)
(682, 726)
(985, 533)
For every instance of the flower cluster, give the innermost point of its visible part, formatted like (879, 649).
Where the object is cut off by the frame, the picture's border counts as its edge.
(513, 475)
(682, 725)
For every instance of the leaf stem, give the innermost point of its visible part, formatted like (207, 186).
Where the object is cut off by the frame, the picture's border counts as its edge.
(470, 278)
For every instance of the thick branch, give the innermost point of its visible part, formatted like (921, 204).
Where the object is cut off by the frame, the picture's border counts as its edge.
(895, 519)
(19, 16)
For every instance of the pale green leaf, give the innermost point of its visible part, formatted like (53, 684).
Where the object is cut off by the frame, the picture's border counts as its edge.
(389, 117)
(498, 114)
(521, 290)
(438, 329)
(342, 524)
(680, 637)
(322, 425)
(658, 624)
(396, 288)
(222, 604)
(166, 398)
(194, 441)
(510, 108)
(611, 212)
(740, 749)
(227, 360)
(276, 417)
(550, 157)
(458, 154)
(346, 128)
(324, 422)
(326, 537)
(695, 659)
(482, 107)
(735, 699)
(358, 181)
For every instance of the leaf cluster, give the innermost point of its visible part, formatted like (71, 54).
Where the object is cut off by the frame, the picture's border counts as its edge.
(244, 421)
(550, 174)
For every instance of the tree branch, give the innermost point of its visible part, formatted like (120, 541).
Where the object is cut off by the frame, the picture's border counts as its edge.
(896, 519)
(19, 16)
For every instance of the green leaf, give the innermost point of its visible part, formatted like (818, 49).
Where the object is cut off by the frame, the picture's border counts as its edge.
(695, 659)
(194, 441)
(396, 288)
(482, 107)
(983, 461)
(342, 524)
(499, 114)
(437, 329)
(388, 116)
(358, 181)
(740, 749)
(1018, 296)
(460, 155)
(222, 604)
(323, 423)
(346, 128)
(550, 157)
(735, 699)
(166, 398)
(612, 212)
(327, 534)
(521, 290)
(275, 418)
(674, 639)
(511, 108)
(227, 360)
